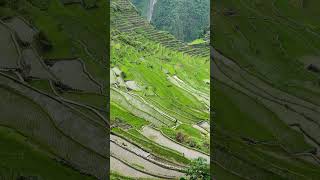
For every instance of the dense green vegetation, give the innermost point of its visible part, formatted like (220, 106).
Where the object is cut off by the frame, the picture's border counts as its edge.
(142, 6)
(186, 20)
(159, 93)
(199, 170)
(266, 90)
(18, 153)
(56, 91)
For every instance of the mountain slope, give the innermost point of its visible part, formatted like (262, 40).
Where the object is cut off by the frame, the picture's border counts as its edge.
(158, 109)
(266, 89)
(186, 20)
(53, 83)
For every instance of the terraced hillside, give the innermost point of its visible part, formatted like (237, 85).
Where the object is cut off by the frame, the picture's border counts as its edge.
(159, 99)
(266, 89)
(130, 21)
(53, 89)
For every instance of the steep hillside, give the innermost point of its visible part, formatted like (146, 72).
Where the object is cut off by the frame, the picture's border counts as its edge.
(53, 90)
(143, 7)
(186, 20)
(266, 89)
(159, 99)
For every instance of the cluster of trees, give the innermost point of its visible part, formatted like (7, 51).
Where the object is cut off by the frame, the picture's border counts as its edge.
(142, 6)
(199, 170)
(186, 20)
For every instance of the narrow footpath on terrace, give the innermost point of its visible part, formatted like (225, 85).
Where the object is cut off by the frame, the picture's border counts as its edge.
(159, 138)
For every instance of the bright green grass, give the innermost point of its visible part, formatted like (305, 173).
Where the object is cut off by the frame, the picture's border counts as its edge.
(153, 147)
(116, 176)
(120, 113)
(191, 134)
(150, 72)
(197, 41)
(187, 129)
(150, 64)
(34, 162)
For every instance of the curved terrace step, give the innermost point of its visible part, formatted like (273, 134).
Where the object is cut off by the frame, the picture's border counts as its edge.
(159, 138)
(141, 163)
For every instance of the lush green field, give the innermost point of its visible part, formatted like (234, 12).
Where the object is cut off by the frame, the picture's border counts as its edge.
(18, 153)
(170, 91)
(45, 148)
(266, 100)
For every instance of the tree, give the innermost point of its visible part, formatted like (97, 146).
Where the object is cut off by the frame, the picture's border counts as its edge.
(180, 137)
(43, 41)
(199, 170)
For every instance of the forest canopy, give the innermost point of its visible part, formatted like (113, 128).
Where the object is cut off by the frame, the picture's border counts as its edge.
(186, 20)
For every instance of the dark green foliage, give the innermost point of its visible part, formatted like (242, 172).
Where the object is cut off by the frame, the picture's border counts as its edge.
(43, 43)
(198, 170)
(142, 6)
(41, 4)
(185, 19)
(180, 137)
(3, 2)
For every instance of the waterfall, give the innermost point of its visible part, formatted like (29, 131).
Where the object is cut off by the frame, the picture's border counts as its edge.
(151, 8)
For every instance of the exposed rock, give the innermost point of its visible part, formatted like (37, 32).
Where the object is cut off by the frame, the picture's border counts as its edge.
(132, 85)
(113, 78)
(117, 71)
(207, 81)
(165, 71)
(120, 82)
(205, 125)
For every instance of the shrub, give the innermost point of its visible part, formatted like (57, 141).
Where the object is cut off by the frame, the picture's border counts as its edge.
(199, 169)
(43, 41)
(192, 143)
(180, 137)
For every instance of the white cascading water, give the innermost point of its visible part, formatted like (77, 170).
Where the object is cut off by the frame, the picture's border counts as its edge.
(151, 8)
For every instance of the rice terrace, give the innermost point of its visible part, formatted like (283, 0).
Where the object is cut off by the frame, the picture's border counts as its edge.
(266, 89)
(160, 98)
(53, 82)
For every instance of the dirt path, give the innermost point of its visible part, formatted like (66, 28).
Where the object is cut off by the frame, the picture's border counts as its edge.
(144, 154)
(141, 163)
(120, 167)
(157, 137)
